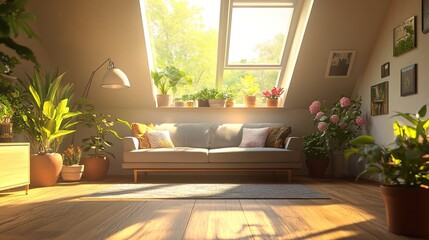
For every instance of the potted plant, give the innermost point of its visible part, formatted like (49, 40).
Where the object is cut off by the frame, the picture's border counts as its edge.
(168, 79)
(316, 154)
(403, 168)
(72, 170)
(339, 125)
(203, 97)
(47, 121)
(188, 99)
(216, 98)
(272, 96)
(230, 94)
(178, 102)
(96, 162)
(249, 89)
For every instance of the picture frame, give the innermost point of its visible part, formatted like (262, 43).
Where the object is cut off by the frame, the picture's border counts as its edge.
(404, 37)
(409, 80)
(340, 63)
(380, 99)
(425, 16)
(385, 70)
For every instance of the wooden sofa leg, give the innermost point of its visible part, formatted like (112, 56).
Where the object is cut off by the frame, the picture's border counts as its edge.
(135, 175)
(289, 176)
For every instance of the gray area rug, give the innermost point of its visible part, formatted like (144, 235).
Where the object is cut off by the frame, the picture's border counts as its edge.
(206, 191)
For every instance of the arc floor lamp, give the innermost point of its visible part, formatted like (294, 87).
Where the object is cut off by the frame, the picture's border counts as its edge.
(114, 78)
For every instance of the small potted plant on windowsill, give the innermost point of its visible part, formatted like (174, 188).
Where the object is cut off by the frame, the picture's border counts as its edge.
(217, 98)
(72, 170)
(272, 96)
(230, 94)
(249, 89)
(178, 102)
(316, 154)
(203, 97)
(403, 168)
(188, 99)
(167, 79)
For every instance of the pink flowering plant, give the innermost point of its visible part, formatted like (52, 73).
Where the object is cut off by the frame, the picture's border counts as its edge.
(340, 123)
(274, 93)
(71, 156)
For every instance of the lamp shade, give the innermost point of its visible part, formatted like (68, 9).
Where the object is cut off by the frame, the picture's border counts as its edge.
(115, 78)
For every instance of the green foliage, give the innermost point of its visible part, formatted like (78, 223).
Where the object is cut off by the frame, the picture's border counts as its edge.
(170, 78)
(103, 126)
(315, 147)
(48, 117)
(248, 85)
(406, 162)
(230, 92)
(203, 94)
(188, 97)
(13, 21)
(6, 110)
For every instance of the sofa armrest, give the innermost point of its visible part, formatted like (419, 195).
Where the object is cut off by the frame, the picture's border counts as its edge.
(294, 144)
(131, 143)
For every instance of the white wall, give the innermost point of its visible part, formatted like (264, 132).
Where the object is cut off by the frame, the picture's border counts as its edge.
(381, 126)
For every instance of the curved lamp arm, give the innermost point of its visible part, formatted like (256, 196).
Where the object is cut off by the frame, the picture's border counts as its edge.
(114, 78)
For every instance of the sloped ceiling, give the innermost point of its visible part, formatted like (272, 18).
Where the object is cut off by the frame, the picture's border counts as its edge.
(79, 35)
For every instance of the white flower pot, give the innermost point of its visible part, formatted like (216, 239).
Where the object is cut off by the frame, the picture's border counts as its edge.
(72, 173)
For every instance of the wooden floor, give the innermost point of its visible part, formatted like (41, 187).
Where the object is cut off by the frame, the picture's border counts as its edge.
(355, 211)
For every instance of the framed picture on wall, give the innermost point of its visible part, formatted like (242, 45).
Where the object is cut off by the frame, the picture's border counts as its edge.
(409, 80)
(404, 36)
(385, 70)
(380, 99)
(425, 16)
(340, 63)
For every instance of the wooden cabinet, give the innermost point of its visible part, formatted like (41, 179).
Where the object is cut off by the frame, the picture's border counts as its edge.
(14, 165)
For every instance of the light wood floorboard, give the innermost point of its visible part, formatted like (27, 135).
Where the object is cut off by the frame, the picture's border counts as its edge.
(355, 211)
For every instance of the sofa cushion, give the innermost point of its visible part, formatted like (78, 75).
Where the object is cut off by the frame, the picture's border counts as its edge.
(254, 137)
(167, 155)
(139, 131)
(187, 134)
(159, 139)
(252, 155)
(230, 134)
(277, 136)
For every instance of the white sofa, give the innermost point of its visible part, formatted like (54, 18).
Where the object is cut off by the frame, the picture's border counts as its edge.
(211, 147)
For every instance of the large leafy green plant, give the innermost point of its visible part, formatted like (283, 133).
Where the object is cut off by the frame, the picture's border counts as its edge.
(14, 20)
(49, 117)
(168, 78)
(405, 162)
(102, 124)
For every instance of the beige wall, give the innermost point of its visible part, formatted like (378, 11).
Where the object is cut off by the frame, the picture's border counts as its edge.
(381, 126)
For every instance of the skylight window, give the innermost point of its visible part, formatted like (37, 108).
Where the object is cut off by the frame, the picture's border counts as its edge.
(219, 42)
(258, 35)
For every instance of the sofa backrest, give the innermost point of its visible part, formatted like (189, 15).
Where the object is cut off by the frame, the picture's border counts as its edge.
(230, 134)
(187, 134)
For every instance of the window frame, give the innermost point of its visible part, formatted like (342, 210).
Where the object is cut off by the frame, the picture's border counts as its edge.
(226, 11)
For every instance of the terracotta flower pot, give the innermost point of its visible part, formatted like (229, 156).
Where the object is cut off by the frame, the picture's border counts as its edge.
(45, 169)
(203, 103)
(217, 103)
(72, 173)
(163, 100)
(96, 168)
(272, 102)
(407, 210)
(189, 104)
(317, 168)
(229, 103)
(250, 101)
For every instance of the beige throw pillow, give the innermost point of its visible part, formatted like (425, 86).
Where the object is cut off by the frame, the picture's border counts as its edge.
(160, 139)
(254, 137)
